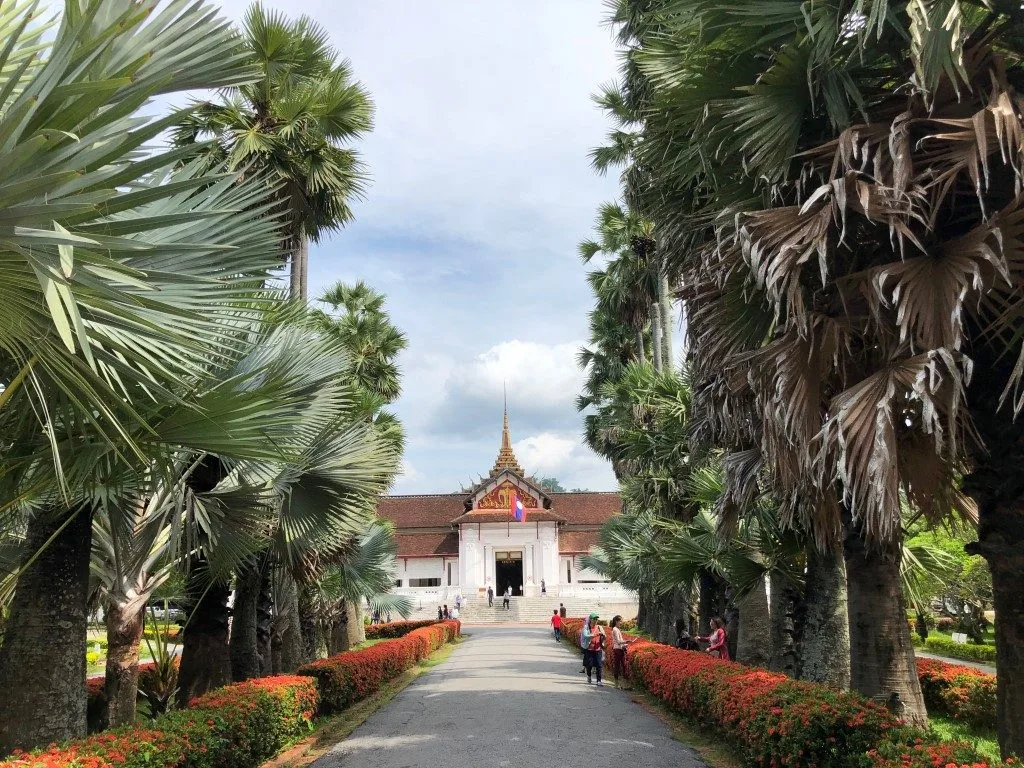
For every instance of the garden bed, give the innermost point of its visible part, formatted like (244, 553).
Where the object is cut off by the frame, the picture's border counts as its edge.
(774, 720)
(245, 724)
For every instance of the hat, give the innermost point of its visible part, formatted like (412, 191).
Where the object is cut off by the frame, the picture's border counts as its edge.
(593, 615)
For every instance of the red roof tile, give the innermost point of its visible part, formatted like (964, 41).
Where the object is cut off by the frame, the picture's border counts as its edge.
(440, 510)
(587, 508)
(427, 544)
(577, 542)
(436, 511)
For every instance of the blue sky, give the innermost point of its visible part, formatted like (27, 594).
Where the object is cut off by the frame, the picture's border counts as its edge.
(481, 190)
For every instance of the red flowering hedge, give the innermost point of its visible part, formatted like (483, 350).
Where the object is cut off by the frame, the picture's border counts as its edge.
(238, 726)
(395, 628)
(963, 693)
(246, 724)
(777, 721)
(354, 675)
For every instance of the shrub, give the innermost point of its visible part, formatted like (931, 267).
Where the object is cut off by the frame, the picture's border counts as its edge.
(963, 693)
(354, 675)
(96, 697)
(944, 646)
(395, 628)
(776, 721)
(238, 726)
(945, 624)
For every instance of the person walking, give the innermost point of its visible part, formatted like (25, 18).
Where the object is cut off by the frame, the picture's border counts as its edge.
(508, 597)
(556, 625)
(490, 596)
(584, 642)
(718, 640)
(594, 655)
(458, 601)
(543, 587)
(440, 614)
(619, 645)
(561, 610)
(447, 614)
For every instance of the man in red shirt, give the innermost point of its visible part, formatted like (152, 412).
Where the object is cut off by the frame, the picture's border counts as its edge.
(556, 624)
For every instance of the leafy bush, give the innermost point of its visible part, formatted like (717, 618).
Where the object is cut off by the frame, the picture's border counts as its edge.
(964, 693)
(150, 685)
(238, 726)
(944, 646)
(776, 721)
(395, 628)
(945, 624)
(354, 675)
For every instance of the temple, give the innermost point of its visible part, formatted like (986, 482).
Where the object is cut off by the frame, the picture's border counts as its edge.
(465, 542)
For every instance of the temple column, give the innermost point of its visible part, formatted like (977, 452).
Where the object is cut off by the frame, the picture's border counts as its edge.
(489, 566)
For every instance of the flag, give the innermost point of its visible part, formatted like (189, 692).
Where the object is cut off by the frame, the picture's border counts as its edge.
(518, 512)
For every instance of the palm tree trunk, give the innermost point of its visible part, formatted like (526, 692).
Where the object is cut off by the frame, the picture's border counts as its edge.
(42, 659)
(783, 608)
(356, 628)
(309, 627)
(825, 650)
(641, 355)
(246, 662)
(1001, 543)
(299, 277)
(205, 656)
(881, 652)
(665, 302)
(753, 640)
(656, 335)
(265, 621)
(125, 620)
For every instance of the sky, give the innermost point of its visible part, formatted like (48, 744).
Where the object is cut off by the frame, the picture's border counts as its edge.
(481, 189)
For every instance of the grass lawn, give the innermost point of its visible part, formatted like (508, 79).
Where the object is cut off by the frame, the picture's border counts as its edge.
(983, 739)
(990, 635)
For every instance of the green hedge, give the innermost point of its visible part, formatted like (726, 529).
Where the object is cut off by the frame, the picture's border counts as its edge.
(967, 651)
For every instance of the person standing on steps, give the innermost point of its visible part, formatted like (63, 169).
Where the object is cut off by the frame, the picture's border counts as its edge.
(440, 614)
(593, 657)
(508, 597)
(556, 625)
(490, 596)
(458, 602)
(561, 610)
(619, 645)
(447, 613)
(543, 587)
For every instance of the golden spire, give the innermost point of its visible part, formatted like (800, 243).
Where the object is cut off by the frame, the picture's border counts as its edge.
(506, 458)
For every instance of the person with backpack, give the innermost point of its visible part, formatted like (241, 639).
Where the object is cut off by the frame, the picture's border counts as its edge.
(593, 656)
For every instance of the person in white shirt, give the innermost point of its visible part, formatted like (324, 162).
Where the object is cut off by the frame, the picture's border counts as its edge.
(619, 645)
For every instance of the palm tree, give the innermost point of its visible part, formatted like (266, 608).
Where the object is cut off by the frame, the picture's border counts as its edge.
(292, 125)
(121, 280)
(372, 341)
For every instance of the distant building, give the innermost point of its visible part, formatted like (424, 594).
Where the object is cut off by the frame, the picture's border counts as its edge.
(468, 541)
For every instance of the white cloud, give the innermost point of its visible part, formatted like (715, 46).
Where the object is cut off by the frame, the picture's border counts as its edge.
(565, 457)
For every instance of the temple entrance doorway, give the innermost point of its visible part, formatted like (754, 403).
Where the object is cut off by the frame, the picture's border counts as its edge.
(508, 571)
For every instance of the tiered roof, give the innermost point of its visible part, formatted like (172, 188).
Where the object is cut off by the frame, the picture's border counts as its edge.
(427, 525)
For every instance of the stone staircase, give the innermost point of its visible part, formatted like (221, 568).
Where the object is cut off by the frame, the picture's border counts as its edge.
(538, 610)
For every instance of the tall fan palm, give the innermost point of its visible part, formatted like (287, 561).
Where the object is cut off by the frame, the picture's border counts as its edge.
(121, 282)
(294, 125)
(359, 320)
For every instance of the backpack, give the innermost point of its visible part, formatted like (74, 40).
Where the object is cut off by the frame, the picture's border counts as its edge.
(596, 640)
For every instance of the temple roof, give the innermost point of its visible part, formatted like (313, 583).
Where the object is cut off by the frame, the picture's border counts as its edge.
(506, 458)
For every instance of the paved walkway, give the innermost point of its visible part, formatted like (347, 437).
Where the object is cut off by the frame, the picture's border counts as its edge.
(510, 696)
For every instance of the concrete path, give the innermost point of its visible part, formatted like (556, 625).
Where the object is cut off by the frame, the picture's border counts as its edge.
(510, 696)
(959, 662)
